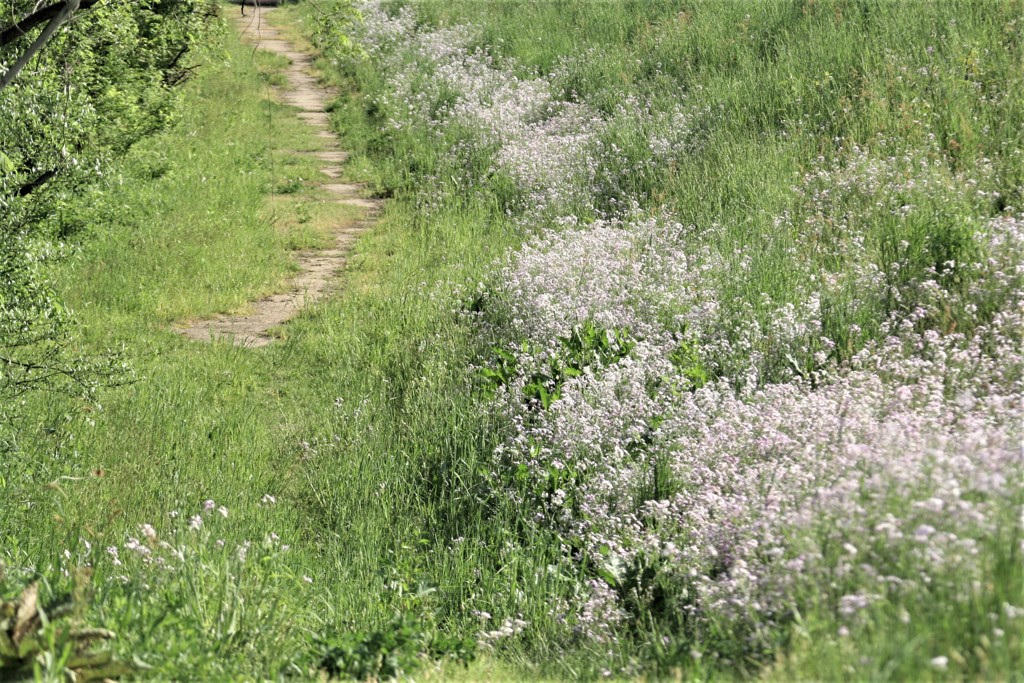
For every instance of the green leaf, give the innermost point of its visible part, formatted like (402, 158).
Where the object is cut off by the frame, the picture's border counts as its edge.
(608, 576)
(6, 164)
(545, 398)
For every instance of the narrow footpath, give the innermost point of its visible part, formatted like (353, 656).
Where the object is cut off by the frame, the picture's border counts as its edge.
(316, 267)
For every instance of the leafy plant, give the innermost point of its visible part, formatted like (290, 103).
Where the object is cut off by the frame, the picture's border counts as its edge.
(686, 359)
(49, 642)
(88, 80)
(400, 648)
(588, 346)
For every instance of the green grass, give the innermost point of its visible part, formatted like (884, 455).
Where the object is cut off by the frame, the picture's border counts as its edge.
(332, 421)
(781, 89)
(364, 399)
(782, 82)
(364, 421)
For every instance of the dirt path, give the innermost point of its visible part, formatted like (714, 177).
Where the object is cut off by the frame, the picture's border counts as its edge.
(316, 267)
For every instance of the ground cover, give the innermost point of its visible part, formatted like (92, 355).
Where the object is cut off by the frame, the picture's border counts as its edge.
(227, 508)
(755, 370)
(687, 345)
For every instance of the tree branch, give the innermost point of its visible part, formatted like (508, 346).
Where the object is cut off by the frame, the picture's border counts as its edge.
(30, 187)
(42, 39)
(20, 28)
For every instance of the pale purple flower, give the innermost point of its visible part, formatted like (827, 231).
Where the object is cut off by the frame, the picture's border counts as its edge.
(770, 420)
(135, 546)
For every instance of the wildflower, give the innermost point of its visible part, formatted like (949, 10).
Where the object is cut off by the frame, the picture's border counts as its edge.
(1012, 612)
(268, 499)
(508, 628)
(134, 545)
(195, 523)
(760, 449)
(223, 511)
(850, 605)
(940, 663)
(208, 505)
(148, 531)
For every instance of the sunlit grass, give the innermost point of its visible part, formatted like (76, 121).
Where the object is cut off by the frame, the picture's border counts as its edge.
(364, 422)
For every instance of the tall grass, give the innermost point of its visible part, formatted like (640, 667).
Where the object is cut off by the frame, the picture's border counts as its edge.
(311, 447)
(244, 512)
(747, 202)
(436, 444)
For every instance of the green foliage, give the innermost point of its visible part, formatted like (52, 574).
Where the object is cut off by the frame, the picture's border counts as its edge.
(363, 421)
(189, 594)
(399, 649)
(687, 361)
(102, 83)
(207, 420)
(588, 347)
(117, 62)
(330, 30)
(777, 92)
(50, 642)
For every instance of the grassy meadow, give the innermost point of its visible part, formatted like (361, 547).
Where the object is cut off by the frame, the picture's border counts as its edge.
(687, 346)
(311, 447)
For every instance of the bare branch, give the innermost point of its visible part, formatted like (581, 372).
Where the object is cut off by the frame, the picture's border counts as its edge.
(20, 28)
(39, 181)
(42, 39)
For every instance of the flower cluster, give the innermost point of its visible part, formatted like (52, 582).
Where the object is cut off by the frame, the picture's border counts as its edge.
(183, 548)
(780, 462)
(561, 156)
(855, 426)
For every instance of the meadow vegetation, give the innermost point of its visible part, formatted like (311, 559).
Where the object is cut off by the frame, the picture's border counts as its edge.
(689, 344)
(81, 84)
(756, 365)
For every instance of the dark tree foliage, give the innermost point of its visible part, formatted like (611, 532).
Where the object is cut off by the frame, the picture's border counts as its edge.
(101, 75)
